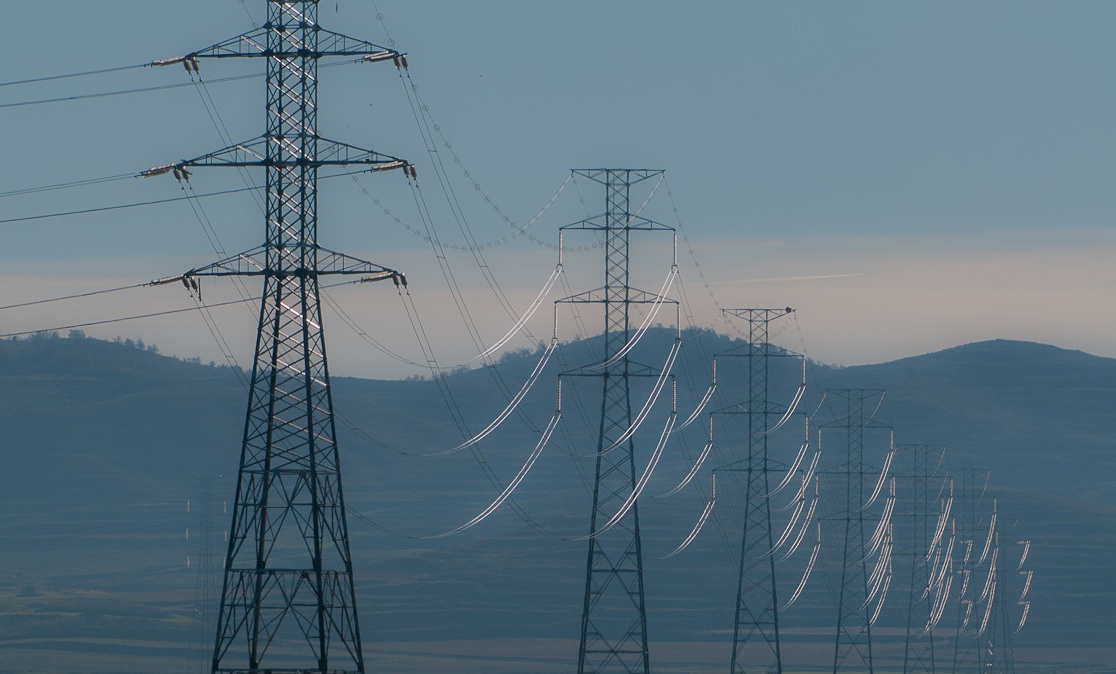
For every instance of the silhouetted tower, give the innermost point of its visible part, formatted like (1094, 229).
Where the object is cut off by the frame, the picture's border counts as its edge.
(923, 541)
(614, 616)
(853, 647)
(971, 536)
(755, 640)
(288, 601)
(997, 653)
(203, 567)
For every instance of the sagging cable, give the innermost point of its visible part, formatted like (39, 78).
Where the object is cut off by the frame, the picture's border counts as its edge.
(1026, 585)
(939, 529)
(883, 597)
(940, 601)
(655, 306)
(1023, 618)
(526, 316)
(700, 523)
(791, 526)
(704, 399)
(805, 525)
(988, 540)
(939, 574)
(968, 552)
(693, 471)
(1023, 556)
(646, 409)
(883, 564)
(794, 403)
(990, 582)
(515, 401)
(988, 609)
(933, 573)
(792, 470)
(807, 477)
(642, 482)
(884, 523)
(966, 579)
(547, 432)
(880, 482)
(806, 574)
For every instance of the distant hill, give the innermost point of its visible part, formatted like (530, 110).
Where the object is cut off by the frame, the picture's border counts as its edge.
(105, 443)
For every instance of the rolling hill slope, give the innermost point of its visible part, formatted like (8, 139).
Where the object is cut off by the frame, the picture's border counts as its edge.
(104, 443)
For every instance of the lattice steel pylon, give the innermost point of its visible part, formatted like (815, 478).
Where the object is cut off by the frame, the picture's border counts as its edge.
(914, 480)
(971, 487)
(203, 587)
(288, 601)
(614, 615)
(755, 639)
(854, 621)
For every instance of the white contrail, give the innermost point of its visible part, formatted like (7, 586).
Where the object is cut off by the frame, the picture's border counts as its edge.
(781, 279)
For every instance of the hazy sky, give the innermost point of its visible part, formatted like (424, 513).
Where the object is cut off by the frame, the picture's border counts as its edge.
(908, 176)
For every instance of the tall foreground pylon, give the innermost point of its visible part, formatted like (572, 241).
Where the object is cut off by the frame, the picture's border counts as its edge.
(755, 642)
(288, 602)
(614, 616)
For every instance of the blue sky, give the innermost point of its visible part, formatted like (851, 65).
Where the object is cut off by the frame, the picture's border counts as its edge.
(908, 176)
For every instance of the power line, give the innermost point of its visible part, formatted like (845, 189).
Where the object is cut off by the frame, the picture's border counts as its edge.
(137, 90)
(101, 209)
(120, 92)
(168, 200)
(69, 75)
(122, 319)
(71, 297)
(60, 186)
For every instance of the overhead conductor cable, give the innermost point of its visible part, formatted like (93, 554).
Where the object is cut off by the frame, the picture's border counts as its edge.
(642, 482)
(806, 573)
(518, 398)
(700, 523)
(547, 432)
(656, 305)
(704, 400)
(651, 399)
(526, 316)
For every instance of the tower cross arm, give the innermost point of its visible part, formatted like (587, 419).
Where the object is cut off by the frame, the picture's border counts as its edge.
(255, 43)
(321, 262)
(288, 152)
(598, 295)
(634, 222)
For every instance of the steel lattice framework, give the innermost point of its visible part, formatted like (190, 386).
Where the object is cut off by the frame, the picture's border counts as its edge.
(853, 646)
(288, 602)
(755, 640)
(918, 650)
(614, 615)
(970, 493)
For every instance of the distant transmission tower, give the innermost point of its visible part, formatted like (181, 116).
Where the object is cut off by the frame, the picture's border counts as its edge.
(288, 602)
(755, 640)
(971, 537)
(922, 539)
(858, 587)
(614, 616)
(203, 587)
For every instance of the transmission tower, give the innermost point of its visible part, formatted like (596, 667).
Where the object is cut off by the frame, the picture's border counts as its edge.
(918, 651)
(203, 586)
(972, 484)
(288, 601)
(853, 647)
(614, 616)
(755, 640)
